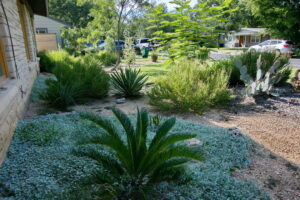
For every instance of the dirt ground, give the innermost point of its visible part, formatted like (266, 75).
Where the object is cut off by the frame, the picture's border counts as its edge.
(274, 125)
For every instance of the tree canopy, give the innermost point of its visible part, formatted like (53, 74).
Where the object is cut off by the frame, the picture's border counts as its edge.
(280, 17)
(70, 12)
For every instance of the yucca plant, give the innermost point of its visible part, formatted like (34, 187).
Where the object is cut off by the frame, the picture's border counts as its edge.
(129, 82)
(134, 163)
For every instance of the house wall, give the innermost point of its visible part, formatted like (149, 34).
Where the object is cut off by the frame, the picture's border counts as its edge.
(245, 42)
(16, 88)
(52, 26)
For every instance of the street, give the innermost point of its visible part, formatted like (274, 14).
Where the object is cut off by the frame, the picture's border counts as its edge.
(294, 62)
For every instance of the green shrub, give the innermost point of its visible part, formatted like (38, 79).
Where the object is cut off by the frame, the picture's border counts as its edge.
(190, 85)
(128, 82)
(230, 67)
(90, 74)
(46, 64)
(61, 95)
(108, 58)
(131, 167)
(76, 80)
(49, 60)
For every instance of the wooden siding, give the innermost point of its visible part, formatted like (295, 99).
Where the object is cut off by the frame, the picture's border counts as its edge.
(52, 26)
(46, 42)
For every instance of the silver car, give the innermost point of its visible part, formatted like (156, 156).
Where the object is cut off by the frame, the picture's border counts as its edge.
(280, 46)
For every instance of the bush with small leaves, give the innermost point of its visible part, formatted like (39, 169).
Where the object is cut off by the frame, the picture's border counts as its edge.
(108, 58)
(190, 85)
(49, 60)
(76, 80)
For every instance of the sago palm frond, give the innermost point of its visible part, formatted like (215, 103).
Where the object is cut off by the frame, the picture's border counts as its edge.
(143, 162)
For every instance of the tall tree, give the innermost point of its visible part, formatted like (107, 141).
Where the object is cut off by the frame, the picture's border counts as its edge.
(281, 17)
(243, 15)
(192, 27)
(70, 12)
(119, 12)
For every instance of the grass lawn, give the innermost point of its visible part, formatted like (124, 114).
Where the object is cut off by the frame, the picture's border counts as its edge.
(154, 70)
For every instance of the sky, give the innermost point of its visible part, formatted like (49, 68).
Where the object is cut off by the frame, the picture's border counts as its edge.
(170, 6)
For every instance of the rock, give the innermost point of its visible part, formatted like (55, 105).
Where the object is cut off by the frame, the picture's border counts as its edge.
(121, 100)
(194, 142)
(234, 131)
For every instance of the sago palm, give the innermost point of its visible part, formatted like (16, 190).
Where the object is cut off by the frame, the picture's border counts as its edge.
(140, 161)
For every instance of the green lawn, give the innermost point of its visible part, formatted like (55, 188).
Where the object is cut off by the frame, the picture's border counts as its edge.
(154, 70)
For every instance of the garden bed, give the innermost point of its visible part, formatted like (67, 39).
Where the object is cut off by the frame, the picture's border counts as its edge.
(41, 163)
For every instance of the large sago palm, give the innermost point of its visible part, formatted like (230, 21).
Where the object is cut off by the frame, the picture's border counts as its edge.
(136, 161)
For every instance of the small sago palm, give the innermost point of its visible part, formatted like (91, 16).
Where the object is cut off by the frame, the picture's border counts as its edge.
(129, 82)
(142, 162)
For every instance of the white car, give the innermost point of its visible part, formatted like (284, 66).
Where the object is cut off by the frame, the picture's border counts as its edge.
(280, 46)
(142, 43)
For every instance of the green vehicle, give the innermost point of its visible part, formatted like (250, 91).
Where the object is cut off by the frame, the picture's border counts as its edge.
(145, 52)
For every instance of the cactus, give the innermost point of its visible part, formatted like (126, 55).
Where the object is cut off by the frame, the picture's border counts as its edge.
(264, 82)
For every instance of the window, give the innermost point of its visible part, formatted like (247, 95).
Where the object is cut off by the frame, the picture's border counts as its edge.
(265, 43)
(144, 41)
(3, 69)
(255, 39)
(41, 30)
(274, 42)
(22, 16)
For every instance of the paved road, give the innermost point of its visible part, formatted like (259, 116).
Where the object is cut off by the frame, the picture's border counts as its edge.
(294, 62)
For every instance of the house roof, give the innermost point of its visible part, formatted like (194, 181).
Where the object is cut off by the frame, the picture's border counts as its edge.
(39, 7)
(37, 18)
(59, 21)
(250, 31)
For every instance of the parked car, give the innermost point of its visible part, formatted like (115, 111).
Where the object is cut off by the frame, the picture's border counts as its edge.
(143, 43)
(119, 45)
(280, 46)
(139, 44)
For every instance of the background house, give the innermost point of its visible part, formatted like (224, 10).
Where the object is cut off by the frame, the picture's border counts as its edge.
(48, 32)
(18, 62)
(246, 37)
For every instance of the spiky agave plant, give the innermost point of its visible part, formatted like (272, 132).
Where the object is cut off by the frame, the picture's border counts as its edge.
(128, 82)
(137, 164)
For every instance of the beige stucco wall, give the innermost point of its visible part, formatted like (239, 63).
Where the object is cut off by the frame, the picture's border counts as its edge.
(15, 90)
